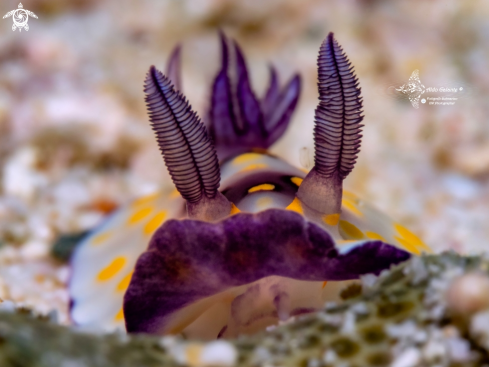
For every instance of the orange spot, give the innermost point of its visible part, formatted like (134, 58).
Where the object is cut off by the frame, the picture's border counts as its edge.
(408, 245)
(345, 242)
(253, 167)
(124, 283)
(411, 238)
(120, 315)
(324, 284)
(155, 222)
(100, 238)
(262, 187)
(112, 269)
(139, 215)
(297, 180)
(174, 194)
(350, 205)
(331, 219)
(234, 209)
(104, 205)
(374, 236)
(350, 195)
(295, 206)
(145, 199)
(246, 158)
(350, 231)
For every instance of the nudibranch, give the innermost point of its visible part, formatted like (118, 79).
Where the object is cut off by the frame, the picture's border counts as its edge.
(245, 240)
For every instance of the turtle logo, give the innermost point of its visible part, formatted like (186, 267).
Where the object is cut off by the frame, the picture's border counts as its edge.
(20, 17)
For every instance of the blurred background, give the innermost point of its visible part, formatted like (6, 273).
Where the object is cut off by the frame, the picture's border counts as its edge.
(75, 142)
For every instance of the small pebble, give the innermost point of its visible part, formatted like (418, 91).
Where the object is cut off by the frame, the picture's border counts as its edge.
(218, 353)
(468, 293)
(409, 358)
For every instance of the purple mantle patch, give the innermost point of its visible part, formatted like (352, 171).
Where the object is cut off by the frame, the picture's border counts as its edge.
(188, 260)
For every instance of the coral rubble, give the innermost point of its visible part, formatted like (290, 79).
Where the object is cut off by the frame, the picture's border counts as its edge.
(407, 316)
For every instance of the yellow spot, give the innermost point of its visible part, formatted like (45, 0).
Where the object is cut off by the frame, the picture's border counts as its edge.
(345, 242)
(262, 187)
(375, 236)
(295, 206)
(112, 269)
(350, 195)
(246, 158)
(408, 245)
(253, 167)
(100, 238)
(192, 354)
(350, 231)
(154, 223)
(331, 219)
(174, 194)
(145, 200)
(350, 205)
(410, 238)
(264, 202)
(120, 315)
(124, 283)
(324, 284)
(234, 209)
(297, 180)
(139, 215)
